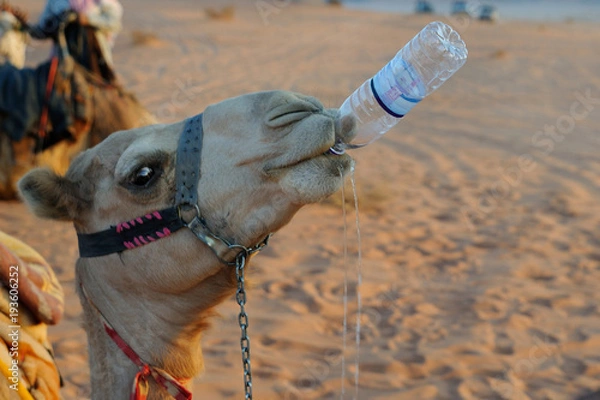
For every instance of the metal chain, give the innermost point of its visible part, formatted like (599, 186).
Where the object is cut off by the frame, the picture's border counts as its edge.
(240, 296)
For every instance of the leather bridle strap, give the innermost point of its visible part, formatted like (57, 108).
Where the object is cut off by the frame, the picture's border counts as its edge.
(131, 234)
(187, 169)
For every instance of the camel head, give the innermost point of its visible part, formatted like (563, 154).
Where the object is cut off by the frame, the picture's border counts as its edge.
(264, 155)
(13, 40)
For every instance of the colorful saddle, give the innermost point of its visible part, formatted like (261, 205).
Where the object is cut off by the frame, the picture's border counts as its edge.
(31, 298)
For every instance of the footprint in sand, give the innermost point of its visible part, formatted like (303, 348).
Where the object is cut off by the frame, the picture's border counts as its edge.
(575, 305)
(490, 309)
(534, 272)
(572, 367)
(410, 356)
(429, 392)
(560, 204)
(297, 295)
(384, 375)
(476, 388)
(503, 344)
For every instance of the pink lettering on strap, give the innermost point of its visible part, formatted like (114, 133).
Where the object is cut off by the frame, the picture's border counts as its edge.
(121, 226)
(165, 232)
(142, 240)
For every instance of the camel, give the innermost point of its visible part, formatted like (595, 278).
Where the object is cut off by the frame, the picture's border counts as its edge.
(110, 108)
(263, 156)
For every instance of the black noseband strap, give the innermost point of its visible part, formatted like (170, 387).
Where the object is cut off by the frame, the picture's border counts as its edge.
(131, 234)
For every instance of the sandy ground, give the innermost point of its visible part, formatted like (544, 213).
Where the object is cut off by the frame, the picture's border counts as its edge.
(479, 214)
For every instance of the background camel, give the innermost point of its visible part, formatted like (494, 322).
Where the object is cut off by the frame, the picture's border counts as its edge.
(264, 156)
(111, 109)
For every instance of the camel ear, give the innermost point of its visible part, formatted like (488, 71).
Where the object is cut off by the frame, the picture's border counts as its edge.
(51, 196)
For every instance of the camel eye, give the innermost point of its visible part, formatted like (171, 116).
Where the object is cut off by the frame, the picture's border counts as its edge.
(143, 176)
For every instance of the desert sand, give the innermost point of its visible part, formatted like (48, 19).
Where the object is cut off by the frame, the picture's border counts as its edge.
(479, 213)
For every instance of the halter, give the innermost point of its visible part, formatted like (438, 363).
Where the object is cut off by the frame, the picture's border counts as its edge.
(158, 224)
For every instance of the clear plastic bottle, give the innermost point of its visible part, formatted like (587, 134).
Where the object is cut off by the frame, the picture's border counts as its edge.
(421, 67)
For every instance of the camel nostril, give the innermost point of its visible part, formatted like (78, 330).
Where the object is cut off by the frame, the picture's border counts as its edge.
(285, 108)
(281, 118)
(288, 113)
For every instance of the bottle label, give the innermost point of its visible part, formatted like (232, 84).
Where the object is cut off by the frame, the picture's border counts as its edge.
(397, 93)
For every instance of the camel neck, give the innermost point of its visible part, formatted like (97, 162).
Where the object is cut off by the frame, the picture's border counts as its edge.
(112, 371)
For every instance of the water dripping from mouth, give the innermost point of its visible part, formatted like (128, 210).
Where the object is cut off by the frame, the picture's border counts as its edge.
(345, 262)
(358, 284)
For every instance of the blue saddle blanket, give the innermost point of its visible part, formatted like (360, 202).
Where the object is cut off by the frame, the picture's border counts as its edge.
(22, 96)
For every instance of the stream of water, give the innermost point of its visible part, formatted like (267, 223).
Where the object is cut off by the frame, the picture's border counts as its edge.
(358, 272)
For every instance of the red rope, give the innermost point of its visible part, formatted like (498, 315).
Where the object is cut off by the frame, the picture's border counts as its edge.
(140, 387)
(49, 86)
(175, 387)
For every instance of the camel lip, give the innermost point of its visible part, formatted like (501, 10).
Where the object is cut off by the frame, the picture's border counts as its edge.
(345, 130)
(316, 155)
(334, 140)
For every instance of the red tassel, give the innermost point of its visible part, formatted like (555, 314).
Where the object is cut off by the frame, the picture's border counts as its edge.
(140, 384)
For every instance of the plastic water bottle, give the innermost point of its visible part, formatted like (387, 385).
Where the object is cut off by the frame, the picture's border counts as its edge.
(421, 67)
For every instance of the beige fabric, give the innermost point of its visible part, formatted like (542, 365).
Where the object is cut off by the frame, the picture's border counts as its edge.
(23, 338)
